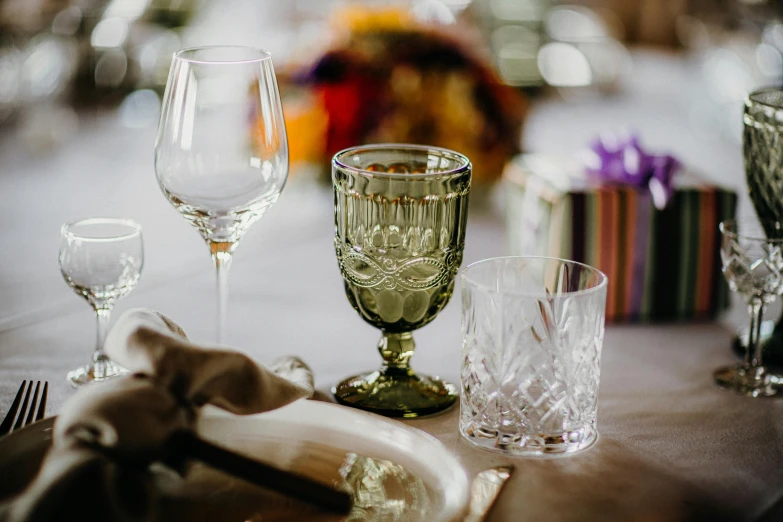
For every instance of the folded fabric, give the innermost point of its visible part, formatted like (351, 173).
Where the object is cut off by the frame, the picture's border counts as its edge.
(108, 435)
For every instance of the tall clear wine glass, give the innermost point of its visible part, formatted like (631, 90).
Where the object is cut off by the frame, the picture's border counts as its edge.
(753, 267)
(221, 155)
(101, 259)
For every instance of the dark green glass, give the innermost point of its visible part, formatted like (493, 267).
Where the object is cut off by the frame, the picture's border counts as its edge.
(762, 144)
(400, 213)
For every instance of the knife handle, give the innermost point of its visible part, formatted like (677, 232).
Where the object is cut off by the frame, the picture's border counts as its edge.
(186, 445)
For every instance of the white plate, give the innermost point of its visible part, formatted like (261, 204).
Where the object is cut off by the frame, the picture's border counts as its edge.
(397, 472)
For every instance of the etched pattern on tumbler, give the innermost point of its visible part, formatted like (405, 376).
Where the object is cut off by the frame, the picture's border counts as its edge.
(532, 335)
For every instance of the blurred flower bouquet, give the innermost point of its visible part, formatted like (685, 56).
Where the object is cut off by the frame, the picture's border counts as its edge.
(388, 78)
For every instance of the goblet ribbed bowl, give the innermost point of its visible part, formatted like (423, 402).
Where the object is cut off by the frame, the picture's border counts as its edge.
(400, 215)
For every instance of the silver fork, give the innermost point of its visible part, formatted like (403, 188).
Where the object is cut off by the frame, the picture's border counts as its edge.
(25, 415)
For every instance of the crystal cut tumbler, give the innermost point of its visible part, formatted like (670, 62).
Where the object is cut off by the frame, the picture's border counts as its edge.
(532, 332)
(400, 213)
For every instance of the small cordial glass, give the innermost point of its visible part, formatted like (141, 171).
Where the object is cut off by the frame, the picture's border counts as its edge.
(101, 260)
(752, 259)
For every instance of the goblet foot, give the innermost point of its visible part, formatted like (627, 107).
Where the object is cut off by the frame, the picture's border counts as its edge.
(743, 380)
(396, 392)
(96, 371)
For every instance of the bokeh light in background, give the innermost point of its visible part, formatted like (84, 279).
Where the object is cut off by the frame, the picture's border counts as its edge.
(583, 51)
(734, 51)
(61, 60)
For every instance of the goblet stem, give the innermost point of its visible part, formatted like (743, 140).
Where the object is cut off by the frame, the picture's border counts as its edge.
(103, 316)
(221, 258)
(750, 378)
(396, 390)
(396, 350)
(753, 353)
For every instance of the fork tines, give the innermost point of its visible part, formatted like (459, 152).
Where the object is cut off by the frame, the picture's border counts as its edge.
(23, 410)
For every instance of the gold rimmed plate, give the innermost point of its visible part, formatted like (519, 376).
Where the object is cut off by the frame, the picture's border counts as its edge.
(394, 472)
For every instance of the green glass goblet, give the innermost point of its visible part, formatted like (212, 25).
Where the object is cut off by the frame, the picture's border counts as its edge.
(400, 214)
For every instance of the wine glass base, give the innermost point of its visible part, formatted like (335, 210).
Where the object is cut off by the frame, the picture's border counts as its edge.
(396, 393)
(95, 372)
(745, 381)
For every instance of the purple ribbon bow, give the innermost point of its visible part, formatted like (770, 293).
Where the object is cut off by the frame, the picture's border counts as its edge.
(620, 159)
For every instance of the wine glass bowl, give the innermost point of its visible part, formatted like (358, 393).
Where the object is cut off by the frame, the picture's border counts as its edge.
(752, 263)
(101, 260)
(753, 266)
(221, 154)
(400, 215)
(761, 144)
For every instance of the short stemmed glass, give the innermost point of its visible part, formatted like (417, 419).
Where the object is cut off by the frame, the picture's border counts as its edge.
(400, 214)
(221, 155)
(753, 266)
(101, 259)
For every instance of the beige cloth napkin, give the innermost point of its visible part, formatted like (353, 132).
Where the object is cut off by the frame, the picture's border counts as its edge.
(109, 434)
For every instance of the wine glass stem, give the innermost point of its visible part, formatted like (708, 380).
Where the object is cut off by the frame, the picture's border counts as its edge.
(104, 316)
(753, 353)
(222, 261)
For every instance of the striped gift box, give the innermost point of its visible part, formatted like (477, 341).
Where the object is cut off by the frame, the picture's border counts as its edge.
(662, 264)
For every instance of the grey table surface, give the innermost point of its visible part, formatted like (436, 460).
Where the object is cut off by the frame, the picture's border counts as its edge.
(672, 446)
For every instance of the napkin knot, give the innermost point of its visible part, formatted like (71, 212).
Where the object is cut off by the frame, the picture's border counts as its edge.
(108, 435)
